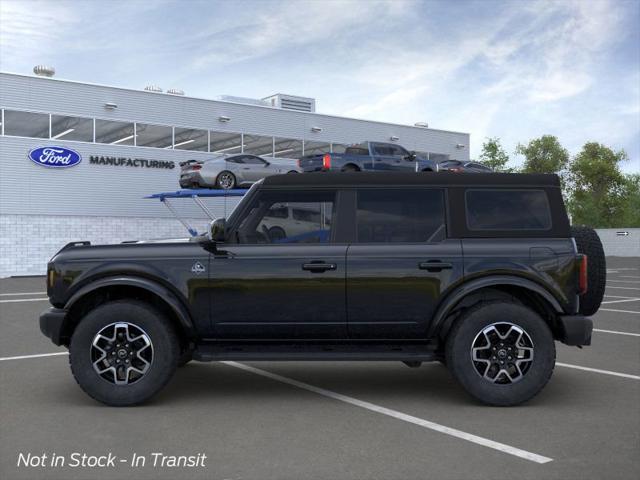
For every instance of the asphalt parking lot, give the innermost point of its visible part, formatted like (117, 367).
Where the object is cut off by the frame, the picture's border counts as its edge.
(329, 420)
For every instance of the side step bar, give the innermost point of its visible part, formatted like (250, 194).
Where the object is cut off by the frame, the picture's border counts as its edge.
(270, 351)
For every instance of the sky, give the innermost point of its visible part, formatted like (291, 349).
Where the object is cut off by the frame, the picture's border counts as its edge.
(509, 69)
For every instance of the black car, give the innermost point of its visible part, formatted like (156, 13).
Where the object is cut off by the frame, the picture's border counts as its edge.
(458, 166)
(480, 272)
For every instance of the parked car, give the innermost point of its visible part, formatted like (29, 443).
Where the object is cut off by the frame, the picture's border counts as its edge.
(284, 223)
(459, 166)
(481, 272)
(232, 171)
(368, 156)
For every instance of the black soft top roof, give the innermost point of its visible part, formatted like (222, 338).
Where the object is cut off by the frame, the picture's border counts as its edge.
(319, 179)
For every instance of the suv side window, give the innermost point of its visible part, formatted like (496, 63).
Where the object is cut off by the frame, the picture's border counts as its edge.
(400, 216)
(491, 209)
(268, 221)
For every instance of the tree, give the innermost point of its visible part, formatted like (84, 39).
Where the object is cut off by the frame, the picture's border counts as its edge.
(631, 206)
(494, 156)
(544, 155)
(599, 191)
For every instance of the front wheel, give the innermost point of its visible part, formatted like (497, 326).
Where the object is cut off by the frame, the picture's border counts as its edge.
(123, 352)
(502, 353)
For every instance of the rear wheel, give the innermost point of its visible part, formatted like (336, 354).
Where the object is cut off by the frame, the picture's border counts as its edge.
(123, 352)
(502, 353)
(226, 180)
(589, 244)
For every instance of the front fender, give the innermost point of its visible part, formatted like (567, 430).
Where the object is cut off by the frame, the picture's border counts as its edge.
(168, 297)
(454, 297)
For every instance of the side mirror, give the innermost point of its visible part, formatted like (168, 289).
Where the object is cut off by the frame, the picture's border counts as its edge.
(411, 157)
(266, 164)
(217, 230)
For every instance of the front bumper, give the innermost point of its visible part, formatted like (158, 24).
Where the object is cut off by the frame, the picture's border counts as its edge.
(52, 324)
(575, 330)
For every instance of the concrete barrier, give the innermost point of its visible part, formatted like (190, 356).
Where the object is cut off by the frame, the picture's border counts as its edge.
(620, 242)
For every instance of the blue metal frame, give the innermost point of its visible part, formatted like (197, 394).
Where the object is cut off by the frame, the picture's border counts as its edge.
(195, 195)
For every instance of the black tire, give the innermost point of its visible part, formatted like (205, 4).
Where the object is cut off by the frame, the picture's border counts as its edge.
(225, 180)
(589, 243)
(276, 233)
(350, 168)
(292, 171)
(502, 315)
(164, 345)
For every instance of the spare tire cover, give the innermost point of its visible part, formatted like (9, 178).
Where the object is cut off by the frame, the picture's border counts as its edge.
(589, 243)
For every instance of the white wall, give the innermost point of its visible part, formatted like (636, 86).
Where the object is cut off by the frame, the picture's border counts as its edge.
(616, 245)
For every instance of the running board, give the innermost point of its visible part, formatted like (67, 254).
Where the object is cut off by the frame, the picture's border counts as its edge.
(269, 351)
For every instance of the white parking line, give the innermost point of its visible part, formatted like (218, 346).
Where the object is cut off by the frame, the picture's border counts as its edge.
(485, 442)
(619, 311)
(21, 357)
(616, 269)
(620, 301)
(629, 276)
(622, 288)
(623, 281)
(616, 332)
(25, 300)
(22, 293)
(597, 370)
(615, 296)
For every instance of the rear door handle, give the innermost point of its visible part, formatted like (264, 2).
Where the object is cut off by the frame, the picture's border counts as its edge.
(434, 266)
(318, 267)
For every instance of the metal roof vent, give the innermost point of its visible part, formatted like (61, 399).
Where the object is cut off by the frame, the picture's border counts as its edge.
(44, 71)
(292, 102)
(175, 91)
(421, 124)
(153, 88)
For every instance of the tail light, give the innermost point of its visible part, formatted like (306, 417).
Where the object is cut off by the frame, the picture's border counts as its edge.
(299, 162)
(326, 161)
(456, 169)
(583, 284)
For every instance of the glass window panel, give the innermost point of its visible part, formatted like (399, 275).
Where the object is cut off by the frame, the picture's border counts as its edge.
(400, 216)
(26, 124)
(113, 132)
(338, 148)
(287, 148)
(288, 217)
(507, 210)
(71, 128)
(191, 139)
(316, 148)
(158, 136)
(224, 142)
(258, 145)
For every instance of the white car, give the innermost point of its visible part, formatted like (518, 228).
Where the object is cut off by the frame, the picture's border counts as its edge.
(231, 171)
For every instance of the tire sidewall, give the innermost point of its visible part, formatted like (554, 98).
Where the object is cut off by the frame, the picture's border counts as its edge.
(458, 353)
(165, 352)
(225, 172)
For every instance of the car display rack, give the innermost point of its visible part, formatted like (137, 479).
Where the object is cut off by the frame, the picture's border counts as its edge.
(195, 195)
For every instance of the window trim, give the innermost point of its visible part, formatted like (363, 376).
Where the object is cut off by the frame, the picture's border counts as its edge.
(528, 229)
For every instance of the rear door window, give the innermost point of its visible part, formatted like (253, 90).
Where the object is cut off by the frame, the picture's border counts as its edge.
(400, 216)
(492, 209)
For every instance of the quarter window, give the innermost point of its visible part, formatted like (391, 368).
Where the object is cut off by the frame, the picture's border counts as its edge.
(400, 216)
(507, 210)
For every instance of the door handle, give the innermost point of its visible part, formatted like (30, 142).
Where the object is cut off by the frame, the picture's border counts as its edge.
(318, 267)
(434, 266)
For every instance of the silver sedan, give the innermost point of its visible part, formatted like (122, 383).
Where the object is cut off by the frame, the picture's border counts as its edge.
(228, 172)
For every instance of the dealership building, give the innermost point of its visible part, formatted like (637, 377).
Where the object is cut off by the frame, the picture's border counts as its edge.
(128, 144)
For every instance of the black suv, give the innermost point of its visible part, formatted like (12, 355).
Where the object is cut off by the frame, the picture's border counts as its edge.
(479, 271)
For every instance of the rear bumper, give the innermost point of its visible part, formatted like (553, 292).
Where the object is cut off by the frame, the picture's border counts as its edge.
(575, 330)
(51, 324)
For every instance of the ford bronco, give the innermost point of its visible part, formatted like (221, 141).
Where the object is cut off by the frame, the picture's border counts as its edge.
(481, 272)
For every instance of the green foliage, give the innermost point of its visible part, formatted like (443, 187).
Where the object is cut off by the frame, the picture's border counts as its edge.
(599, 192)
(494, 156)
(631, 210)
(544, 155)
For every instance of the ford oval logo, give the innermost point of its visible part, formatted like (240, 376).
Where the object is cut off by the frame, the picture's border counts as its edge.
(55, 157)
